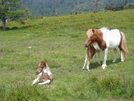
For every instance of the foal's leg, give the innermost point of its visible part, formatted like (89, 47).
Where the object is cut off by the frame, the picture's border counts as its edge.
(115, 51)
(46, 82)
(37, 79)
(104, 65)
(85, 62)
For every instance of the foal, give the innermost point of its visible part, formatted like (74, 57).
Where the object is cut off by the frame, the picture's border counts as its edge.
(44, 75)
(90, 53)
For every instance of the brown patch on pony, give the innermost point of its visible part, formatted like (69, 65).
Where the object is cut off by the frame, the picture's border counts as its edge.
(42, 65)
(44, 77)
(96, 36)
(90, 51)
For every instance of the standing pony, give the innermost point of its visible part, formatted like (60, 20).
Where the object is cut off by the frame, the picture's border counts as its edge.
(92, 49)
(44, 75)
(90, 52)
(107, 39)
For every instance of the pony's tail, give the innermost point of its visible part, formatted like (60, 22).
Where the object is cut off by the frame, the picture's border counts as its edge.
(124, 49)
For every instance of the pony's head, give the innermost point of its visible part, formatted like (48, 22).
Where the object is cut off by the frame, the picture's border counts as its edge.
(41, 67)
(91, 37)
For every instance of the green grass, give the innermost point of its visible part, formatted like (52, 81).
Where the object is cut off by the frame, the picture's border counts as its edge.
(60, 41)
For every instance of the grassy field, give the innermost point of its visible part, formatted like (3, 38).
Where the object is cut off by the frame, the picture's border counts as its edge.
(60, 40)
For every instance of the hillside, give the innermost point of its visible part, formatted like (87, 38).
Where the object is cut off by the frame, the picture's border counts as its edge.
(59, 40)
(63, 7)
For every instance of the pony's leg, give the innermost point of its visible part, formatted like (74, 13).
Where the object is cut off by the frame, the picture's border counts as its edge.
(85, 62)
(115, 51)
(95, 58)
(104, 65)
(122, 58)
(36, 80)
(46, 82)
(99, 57)
(88, 63)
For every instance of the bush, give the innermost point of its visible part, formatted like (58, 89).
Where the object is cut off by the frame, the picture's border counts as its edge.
(111, 7)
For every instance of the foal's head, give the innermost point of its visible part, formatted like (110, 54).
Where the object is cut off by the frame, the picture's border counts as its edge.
(92, 36)
(41, 67)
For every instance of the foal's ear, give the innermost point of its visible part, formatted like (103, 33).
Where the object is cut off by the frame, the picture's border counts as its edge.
(93, 30)
(44, 63)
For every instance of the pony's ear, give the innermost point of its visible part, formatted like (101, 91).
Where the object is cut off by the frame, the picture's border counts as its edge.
(44, 63)
(93, 30)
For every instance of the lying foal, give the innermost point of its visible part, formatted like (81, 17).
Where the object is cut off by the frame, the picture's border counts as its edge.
(44, 75)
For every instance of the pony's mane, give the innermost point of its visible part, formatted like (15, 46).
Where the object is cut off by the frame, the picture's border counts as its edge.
(47, 69)
(104, 29)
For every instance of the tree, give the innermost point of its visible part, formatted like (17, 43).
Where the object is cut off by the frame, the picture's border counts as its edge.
(10, 9)
(96, 3)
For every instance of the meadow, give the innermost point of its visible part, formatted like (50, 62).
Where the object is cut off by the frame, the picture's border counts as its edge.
(59, 40)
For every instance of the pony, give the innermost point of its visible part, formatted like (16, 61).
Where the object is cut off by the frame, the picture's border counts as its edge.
(103, 40)
(44, 75)
(91, 51)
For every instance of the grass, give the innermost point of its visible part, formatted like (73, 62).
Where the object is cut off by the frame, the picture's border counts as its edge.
(59, 41)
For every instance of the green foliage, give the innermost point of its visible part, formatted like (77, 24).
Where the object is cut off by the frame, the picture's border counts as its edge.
(131, 6)
(113, 8)
(63, 7)
(10, 9)
(59, 41)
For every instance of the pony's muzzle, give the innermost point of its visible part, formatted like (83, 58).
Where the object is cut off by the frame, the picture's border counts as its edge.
(86, 45)
(37, 72)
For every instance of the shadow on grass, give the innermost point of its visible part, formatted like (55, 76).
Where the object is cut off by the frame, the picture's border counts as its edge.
(94, 65)
(15, 28)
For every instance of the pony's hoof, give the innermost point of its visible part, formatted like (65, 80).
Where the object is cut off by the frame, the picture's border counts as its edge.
(88, 70)
(104, 66)
(39, 84)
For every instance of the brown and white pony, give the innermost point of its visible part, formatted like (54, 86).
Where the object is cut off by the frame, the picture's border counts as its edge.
(44, 75)
(104, 39)
(90, 53)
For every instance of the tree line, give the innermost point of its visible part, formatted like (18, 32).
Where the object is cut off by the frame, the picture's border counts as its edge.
(63, 7)
(16, 9)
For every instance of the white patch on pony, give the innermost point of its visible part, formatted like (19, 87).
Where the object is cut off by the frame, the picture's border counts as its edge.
(85, 62)
(48, 72)
(104, 29)
(96, 46)
(46, 82)
(37, 79)
(112, 38)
